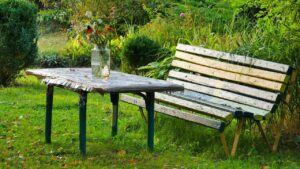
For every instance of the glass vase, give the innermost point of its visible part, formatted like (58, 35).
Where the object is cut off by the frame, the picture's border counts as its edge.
(100, 62)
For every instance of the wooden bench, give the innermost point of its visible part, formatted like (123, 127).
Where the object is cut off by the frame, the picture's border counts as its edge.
(219, 87)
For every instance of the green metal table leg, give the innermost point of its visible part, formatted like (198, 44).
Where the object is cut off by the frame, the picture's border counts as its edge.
(48, 119)
(150, 109)
(114, 97)
(82, 122)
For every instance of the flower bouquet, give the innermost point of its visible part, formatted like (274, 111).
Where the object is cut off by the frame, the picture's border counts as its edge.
(99, 31)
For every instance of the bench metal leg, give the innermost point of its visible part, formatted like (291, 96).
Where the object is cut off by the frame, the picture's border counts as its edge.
(240, 125)
(150, 109)
(263, 134)
(48, 119)
(114, 97)
(82, 122)
(224, 143)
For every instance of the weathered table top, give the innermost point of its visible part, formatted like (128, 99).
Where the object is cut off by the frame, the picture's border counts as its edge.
(82, 79)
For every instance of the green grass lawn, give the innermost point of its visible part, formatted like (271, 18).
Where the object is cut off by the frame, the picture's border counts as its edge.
(178, 144)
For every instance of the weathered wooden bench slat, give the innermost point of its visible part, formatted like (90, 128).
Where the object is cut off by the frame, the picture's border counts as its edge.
(177, 113)
(256, 113)
(271, 96)
(207, 110)
(217, 64)
(253, 81)
(225, 95)
(235, 58)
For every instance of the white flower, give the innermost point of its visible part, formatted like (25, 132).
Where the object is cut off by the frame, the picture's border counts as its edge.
(88, 14)
(100, 21)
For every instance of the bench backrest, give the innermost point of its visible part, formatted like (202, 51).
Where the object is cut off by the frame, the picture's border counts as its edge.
(253, 85)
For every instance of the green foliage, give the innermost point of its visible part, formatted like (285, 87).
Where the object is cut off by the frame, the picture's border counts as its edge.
(130, 12)
(54, 15)
(164, 31)
(54, 19)
(78, 51)
(116, 48)
(156, 8)
(18, 40)
(77, 47)
(51, 4)
(159, 69)
(52, 61)
(55, 60)
(279, 29)
(218, 25)
(277, 38)
(138, 51)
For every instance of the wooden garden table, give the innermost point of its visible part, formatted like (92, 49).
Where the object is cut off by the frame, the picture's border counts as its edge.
(80, 80)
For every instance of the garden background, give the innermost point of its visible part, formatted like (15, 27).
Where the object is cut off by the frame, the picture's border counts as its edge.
(146, 33)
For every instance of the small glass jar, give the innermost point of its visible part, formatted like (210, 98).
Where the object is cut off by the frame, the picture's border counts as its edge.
(100, 62)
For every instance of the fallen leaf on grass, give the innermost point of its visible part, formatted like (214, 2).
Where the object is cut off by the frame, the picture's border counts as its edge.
(121, 153)
(73, 164)
(36, 143)
(132, 162)
(9, 145)
(264, 166)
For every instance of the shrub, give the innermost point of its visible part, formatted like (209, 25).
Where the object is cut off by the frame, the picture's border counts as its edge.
(18, 41)
(52, 61)
(138, 51)
(55, 60)
(77, 49)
